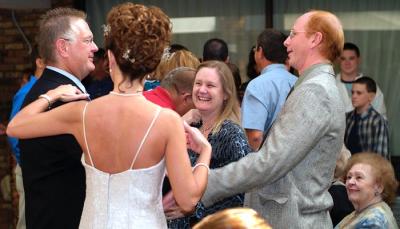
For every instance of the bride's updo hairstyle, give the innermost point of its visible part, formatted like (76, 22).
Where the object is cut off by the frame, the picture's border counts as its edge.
(137, 35)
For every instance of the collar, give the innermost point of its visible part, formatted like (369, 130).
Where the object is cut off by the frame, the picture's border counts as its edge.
(365, 114)
(271, 67)
(69, 76)
(163, 95)
(339, 76)
(321, 67)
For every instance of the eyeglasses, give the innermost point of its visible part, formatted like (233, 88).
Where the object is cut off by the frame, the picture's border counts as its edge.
(65, 39)
(86, 41)
(293, 33)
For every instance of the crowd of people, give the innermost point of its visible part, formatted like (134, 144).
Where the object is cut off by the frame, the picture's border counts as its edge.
(155, 137)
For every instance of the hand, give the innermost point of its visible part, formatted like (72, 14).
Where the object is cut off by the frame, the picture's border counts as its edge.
(174, 213)
(195, 139)
(192, 116)
(168, 200)
(171, 209)
(66, 93)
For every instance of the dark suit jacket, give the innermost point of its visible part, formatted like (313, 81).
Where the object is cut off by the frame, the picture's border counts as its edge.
(341, 203)
(54, 178)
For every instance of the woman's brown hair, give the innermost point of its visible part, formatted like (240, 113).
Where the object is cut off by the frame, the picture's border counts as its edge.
(137, 36)
(382, 170)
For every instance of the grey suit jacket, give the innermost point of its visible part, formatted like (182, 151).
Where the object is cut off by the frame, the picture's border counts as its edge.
(287, 180)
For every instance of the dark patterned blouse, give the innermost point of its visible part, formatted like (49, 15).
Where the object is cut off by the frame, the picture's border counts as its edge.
(228, 145)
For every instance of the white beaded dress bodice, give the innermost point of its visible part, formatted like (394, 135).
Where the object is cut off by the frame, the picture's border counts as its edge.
(131, 199)
(125, 200)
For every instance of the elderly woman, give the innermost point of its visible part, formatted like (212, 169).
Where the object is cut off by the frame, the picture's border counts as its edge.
(214, 95)
(371, 186)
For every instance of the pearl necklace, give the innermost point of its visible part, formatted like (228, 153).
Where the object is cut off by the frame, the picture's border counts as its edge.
(126, 94)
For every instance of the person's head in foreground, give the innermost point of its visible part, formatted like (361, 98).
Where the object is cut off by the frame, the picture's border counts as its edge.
(234, 218)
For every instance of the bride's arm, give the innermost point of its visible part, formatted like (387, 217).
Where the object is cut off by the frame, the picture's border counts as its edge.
(188, 185)
(33, 121)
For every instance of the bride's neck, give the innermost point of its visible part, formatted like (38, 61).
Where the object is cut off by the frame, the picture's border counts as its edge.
(128, 87)
(123, 84)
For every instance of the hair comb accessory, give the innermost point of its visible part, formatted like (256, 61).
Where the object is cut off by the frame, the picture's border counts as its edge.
(167, 54)
(106, 29)
(126, 56)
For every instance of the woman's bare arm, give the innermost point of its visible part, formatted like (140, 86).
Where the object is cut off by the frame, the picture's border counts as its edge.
(33, 121)
(188, 186)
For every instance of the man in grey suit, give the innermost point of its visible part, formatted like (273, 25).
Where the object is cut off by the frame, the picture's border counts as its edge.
(287, 180)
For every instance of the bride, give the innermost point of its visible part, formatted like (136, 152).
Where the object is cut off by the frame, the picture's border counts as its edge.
(127, 141)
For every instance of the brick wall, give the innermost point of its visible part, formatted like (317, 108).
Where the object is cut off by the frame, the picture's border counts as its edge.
(14, 58)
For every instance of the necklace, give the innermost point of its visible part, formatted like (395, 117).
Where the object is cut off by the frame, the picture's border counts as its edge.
(126, 94)
(367, 207)
(356, 214)
(204, 129)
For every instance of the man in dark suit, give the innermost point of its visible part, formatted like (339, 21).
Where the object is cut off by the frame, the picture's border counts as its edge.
(54, 178)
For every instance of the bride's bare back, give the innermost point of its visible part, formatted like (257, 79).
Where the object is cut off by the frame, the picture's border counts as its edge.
(115, 126)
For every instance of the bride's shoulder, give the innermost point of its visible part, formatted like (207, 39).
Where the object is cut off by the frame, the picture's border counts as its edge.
(169, 115)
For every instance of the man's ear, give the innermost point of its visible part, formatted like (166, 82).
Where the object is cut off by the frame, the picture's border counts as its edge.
(227, 59)
(40, 63)
(62, 47)
(186, 96)
(317, 39)
(371, 96)
(261, 53)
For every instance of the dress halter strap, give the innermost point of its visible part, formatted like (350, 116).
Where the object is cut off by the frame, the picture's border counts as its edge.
(145, 136)
(84, 134)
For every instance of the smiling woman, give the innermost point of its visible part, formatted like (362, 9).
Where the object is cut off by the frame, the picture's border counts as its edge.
(371, 186)
(214, 95)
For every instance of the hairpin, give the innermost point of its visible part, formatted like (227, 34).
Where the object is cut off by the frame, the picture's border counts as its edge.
(126, 56)
(106, 29)
(167, 54)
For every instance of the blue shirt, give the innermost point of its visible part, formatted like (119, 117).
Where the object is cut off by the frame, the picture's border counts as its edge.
(265, 96)
(16, 106)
